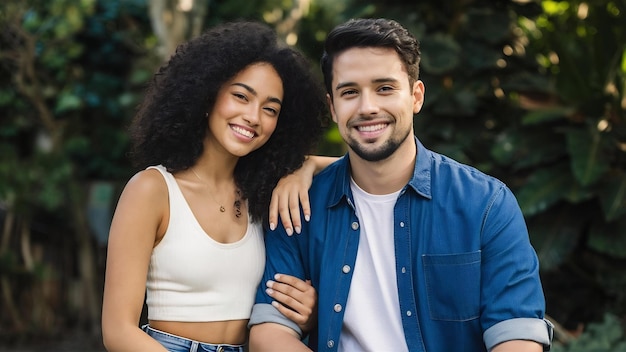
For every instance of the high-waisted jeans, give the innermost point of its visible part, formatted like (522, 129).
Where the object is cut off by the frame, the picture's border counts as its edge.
(175, 343)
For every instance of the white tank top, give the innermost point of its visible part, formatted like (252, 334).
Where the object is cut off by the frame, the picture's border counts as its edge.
(193, 278)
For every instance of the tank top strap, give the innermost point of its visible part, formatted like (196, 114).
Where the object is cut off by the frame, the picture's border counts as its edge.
(176, 198)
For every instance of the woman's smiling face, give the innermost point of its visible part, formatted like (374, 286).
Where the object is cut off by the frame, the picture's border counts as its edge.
(246, 110)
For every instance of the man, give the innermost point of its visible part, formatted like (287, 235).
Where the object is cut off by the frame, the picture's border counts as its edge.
(408, 249)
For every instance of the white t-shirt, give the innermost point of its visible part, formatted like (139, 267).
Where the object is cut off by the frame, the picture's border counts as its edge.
(372, 320)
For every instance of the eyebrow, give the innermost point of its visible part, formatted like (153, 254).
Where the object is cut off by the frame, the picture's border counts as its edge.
(254, 92)
(378, 80)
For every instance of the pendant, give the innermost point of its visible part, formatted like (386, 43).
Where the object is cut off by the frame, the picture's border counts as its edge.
(222, 209)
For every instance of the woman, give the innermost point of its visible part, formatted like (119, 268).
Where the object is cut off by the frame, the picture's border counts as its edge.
(228, 116)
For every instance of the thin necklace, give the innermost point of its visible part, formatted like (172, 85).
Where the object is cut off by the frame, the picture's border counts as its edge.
(222, 209)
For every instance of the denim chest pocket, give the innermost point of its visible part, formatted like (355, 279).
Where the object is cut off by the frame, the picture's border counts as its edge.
(453, 285)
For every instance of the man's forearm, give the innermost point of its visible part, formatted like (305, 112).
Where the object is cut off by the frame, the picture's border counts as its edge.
(518, 346)
(271, 337)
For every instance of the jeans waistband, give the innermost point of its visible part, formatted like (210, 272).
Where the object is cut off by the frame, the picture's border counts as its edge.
(177, 343)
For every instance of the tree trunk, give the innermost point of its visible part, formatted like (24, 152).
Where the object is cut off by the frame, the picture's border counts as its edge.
(17, 324)
(175, 21)
(86, 258)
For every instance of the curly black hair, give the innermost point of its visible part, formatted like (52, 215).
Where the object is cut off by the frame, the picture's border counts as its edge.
(171, 122)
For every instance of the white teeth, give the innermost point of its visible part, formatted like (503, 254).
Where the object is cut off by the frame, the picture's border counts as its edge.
(243, 131)
(372, 128)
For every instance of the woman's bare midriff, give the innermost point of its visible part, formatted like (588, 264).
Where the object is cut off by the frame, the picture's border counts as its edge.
(232, 332)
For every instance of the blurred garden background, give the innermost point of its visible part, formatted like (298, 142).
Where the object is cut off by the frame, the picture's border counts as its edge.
(530, 91)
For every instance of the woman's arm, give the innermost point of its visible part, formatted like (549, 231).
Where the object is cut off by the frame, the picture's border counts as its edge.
(292, 191)
(134, 228)
(270, 337)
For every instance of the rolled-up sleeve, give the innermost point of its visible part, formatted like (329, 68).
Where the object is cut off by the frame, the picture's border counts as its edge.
(513, 303)
(539, 330)
(266, 313)
(281, 256)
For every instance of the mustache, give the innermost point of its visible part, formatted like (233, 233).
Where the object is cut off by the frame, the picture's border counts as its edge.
(382, 118)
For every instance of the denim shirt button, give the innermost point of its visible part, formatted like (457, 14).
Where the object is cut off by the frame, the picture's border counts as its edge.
(355, 225)
(337, 308)
(346, 269)
(404, 269)
(401, 223)
(408, 313)
(330, 343)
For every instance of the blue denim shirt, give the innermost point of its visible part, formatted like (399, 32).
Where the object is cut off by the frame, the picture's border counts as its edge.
(466, 272)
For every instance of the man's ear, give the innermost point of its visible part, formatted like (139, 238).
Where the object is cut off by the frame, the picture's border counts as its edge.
(418, 96)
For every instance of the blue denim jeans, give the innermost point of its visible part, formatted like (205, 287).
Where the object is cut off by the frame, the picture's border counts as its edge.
(175, 343)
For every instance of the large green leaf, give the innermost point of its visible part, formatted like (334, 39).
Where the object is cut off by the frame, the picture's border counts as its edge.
(587, 155)
(67, 101)
(609, 238)
(579, 194)
(546, 115)
(528, 148)
(554, 234)
(613, 198)
(544, 188)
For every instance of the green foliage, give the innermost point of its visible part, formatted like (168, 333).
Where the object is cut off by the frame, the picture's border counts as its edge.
(67, 95)
(68, 88)
(608, 335)
(533, 93)
(585, 106)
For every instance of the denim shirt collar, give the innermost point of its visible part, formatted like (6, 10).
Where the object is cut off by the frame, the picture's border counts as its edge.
(420, 181)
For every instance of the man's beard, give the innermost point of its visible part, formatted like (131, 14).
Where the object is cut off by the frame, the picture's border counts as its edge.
(382, 153)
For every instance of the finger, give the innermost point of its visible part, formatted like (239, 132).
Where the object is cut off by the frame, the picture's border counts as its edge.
(296, 299)
(306, 206)
(306, 297)
(294, 210)
(284, 290)
(285, 217)
(280, 206)
(287, 300)
(292, 315)
(273, 214)
(294, 281)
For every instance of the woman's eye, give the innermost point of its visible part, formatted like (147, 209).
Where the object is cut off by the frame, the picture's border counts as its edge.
(348, 92)
(240, 96)
(272, 111)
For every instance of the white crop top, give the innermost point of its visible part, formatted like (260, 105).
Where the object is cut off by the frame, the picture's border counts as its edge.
(193, 278)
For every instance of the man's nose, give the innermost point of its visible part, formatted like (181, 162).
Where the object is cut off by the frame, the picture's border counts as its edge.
(368, 104)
